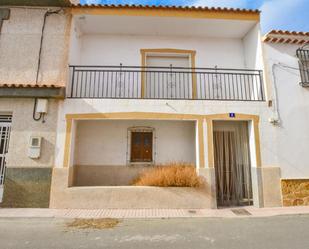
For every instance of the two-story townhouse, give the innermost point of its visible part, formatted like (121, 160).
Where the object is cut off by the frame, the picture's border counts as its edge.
(145, 86)
(150, 85)
(34, 39)
(287, 54)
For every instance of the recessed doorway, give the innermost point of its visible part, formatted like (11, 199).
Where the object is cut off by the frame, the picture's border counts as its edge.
(232, 163)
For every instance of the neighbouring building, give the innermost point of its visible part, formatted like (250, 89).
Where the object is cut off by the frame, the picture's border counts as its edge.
(132, 87)
(287, 54)
(33, 64)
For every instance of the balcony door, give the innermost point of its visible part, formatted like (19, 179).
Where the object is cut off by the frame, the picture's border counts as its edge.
(172, 79)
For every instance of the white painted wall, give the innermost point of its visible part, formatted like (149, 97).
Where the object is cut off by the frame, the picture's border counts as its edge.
(267, 131)
(292, 136)
(106, 143)
(115, 49)
(253, 49)
(75, 45)
(20, 43)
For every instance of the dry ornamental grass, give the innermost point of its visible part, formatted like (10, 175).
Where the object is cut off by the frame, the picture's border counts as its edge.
(93, 223)
(170, 175)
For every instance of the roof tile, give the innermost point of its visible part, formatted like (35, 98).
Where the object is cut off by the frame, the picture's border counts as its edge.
(287, 37)
(165, 7)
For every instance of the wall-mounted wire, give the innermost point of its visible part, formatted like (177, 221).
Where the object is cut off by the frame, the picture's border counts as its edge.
(277, 120)
(46, 14)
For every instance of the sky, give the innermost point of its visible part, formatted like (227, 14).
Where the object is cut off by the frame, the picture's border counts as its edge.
(290, 15)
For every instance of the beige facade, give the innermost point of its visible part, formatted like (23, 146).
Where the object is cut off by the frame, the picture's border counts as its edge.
(20, 42)
(23, 127)
(33, 52)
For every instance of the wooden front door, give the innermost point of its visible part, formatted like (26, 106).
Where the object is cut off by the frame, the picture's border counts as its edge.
(141, 147)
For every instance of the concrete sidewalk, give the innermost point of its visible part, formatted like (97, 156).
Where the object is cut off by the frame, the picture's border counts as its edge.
(150, 213)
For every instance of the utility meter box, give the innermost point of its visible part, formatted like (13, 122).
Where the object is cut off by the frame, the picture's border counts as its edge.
(34, 150)
(42, 106)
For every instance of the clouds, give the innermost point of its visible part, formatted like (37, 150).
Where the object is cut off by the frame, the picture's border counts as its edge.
(285, 14)
(222, 3)
(276, 14)
(91, 1)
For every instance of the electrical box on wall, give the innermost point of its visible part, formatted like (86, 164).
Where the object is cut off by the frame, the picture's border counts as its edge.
(42, 106)
(34, 150)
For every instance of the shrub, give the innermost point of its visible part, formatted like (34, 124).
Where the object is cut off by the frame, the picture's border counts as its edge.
(170, 175)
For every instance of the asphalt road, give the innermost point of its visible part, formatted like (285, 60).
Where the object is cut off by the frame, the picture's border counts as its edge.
(282, 232)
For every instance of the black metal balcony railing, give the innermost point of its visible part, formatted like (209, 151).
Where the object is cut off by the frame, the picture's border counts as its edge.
(303, 56)
(165, 83)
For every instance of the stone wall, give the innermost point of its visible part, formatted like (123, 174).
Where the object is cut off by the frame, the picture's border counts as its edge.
(27, 187)
(295, 192)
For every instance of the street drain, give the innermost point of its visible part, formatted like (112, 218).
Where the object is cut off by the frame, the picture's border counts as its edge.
(192, 211)
(241, 211)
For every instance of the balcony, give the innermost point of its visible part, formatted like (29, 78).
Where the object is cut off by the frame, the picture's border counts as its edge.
(303, 57)
(133, 82)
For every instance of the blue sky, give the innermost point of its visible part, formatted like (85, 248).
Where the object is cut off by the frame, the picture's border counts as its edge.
(276, 14)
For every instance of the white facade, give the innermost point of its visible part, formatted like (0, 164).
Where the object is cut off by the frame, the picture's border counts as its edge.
(107, 142)
(291, 108)
(93, 43)
(95, 106)
(217, 43)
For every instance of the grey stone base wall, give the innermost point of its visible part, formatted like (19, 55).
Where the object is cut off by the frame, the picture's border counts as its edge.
(27, 188)
(87, 175)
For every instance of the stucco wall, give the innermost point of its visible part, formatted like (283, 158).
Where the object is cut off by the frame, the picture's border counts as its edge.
(19, 47)
(267, 131)
(106, 142)
(115, 49)
(292, 136)
(253, 48)
(23, 126)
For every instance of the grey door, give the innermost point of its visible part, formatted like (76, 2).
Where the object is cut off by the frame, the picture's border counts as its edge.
(5, 129)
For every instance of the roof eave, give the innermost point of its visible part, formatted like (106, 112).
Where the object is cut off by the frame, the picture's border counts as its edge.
(168, 11)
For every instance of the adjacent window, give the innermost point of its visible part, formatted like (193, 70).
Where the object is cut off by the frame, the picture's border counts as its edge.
(303, 56)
